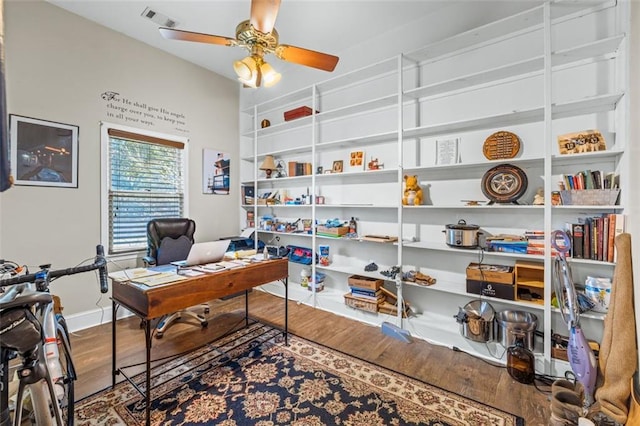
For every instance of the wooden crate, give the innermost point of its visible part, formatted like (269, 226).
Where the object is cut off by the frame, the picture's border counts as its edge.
(362, 304)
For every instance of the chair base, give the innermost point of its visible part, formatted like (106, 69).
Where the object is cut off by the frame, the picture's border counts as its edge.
(166, 321)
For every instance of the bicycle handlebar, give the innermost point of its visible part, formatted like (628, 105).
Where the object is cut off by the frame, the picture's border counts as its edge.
(100, 264)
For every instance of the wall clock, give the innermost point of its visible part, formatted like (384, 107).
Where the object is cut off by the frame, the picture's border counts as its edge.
(504, 184)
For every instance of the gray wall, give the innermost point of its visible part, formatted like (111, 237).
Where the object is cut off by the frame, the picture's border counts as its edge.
(57, 67)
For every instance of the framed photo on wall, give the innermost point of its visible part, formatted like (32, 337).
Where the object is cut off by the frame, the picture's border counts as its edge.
(43, 153)
(215, 172)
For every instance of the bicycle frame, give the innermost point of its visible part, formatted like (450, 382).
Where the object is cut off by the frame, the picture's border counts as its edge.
(41, 371)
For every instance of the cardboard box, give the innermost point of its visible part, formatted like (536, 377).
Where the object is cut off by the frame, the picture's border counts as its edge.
(303, 111)
(499, 274)
(501, 291)
(340, 230)
(365, 282)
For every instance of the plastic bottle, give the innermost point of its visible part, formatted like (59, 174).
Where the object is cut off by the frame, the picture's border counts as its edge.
(304, 277)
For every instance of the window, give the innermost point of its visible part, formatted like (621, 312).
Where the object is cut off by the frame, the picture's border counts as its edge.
(144, 178)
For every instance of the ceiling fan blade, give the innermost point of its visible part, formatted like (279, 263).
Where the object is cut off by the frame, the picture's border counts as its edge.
(306, 57)
(198, 37)
(263, 14)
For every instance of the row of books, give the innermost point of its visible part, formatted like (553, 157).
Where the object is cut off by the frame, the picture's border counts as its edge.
(299, 169)
(588, 179)
(594, 237)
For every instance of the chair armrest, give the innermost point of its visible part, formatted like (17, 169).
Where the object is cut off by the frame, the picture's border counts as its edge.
(149, 261)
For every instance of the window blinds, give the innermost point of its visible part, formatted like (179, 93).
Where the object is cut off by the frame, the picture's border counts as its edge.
(146, 182)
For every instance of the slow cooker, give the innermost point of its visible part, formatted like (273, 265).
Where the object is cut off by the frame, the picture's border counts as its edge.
(462, 235)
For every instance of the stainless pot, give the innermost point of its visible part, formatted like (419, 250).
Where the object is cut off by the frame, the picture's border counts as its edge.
(462, 235)
(476, 321)
(517, 325)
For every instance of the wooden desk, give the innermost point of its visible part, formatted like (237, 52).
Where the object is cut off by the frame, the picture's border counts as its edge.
(150, 303)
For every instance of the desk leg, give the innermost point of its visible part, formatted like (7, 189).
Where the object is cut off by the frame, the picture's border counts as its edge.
(246, 308)
(286, 311)
(148, 337)
(114, 307)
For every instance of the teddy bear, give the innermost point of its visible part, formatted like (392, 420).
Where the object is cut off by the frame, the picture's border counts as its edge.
(412, 191)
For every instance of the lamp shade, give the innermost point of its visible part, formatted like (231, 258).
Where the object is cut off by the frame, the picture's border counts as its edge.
(245, 68)
(269, 76)
(268, 163)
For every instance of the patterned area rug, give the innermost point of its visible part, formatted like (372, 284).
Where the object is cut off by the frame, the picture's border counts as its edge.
(251, 378)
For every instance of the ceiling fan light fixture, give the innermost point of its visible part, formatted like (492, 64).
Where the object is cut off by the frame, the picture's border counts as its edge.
(246, 68)
(269, 76)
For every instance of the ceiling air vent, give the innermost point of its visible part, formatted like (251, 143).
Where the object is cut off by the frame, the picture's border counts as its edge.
(159, 18)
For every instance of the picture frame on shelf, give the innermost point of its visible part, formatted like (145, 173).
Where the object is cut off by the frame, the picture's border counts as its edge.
(580, 142)
(43, 152)
(447, 151)
(356, 161)
(337, 166)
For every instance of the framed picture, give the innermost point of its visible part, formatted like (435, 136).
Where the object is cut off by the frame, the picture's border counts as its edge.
(337, 166)
(215, 172)
(43, 153)
(356, 160)
(579, 142)
(447, 151)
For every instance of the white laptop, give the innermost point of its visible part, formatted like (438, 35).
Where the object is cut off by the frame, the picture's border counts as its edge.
(202, 253)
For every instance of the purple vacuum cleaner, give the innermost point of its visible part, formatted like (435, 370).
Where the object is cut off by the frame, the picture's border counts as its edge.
(581, 357)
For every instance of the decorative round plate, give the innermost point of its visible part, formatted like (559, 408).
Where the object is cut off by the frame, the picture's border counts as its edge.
(504, 184)
(501, 145)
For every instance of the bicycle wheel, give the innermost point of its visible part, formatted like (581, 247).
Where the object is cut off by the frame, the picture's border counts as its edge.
(67, 404)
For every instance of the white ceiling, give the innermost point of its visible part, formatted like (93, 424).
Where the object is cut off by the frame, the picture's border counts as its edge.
(326, 26)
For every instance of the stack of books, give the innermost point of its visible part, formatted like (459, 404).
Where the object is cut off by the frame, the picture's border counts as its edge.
(507, 243)
(368, 294)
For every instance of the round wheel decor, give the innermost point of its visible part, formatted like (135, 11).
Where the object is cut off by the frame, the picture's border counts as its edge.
(501, 145)
(504, 184)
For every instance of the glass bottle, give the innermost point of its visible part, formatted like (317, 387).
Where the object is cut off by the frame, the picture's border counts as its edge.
(521, 362)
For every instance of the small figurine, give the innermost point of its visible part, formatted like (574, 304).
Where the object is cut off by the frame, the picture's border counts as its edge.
(538, 199)
(412, 191)
(374, 164)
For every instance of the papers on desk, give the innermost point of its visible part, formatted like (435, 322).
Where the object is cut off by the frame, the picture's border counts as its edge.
(131, 274)
(159, 278)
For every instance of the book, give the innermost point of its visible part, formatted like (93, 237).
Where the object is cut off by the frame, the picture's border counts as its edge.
(610, 240)
(605, 237)
(367, 294)
(619, 229)
(587, 229)
(577, 243)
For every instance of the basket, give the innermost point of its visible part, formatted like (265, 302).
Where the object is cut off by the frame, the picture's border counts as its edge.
(590, 197)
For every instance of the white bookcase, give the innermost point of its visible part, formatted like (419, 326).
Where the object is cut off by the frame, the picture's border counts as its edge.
(556, 68)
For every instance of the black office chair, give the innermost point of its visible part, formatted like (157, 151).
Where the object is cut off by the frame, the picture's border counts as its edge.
(169, 240)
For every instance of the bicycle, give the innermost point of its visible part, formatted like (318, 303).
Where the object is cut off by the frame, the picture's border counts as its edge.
(30, 330)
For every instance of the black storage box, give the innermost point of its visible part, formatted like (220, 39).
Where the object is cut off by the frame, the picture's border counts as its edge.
(501, 291)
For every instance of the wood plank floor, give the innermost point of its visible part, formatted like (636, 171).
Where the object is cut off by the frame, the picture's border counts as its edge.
(439, 366)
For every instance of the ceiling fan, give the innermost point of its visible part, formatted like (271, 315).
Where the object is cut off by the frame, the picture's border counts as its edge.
(259, 36)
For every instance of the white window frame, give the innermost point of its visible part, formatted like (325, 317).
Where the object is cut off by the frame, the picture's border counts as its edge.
(105, 175)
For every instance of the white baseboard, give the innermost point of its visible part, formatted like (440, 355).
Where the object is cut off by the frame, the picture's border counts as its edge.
(92, 318)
